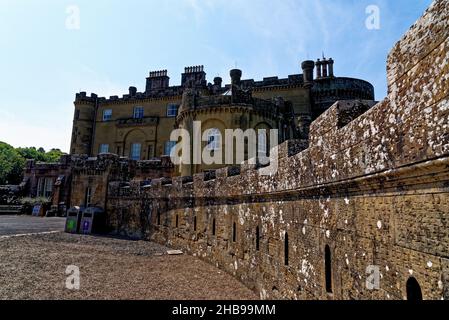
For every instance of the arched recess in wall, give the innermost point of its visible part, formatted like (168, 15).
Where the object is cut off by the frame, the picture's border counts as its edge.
(215, 124)
(414, 292)
(135, 136)
(328, 268)
(263, 140)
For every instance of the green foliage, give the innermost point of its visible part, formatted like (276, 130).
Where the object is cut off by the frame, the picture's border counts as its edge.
(34, 201)
(11, 164)
(12, 161)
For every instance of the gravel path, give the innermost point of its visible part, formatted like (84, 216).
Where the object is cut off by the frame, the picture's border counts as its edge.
(33, 267)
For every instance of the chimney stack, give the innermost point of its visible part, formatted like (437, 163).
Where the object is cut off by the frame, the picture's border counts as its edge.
(307, 72)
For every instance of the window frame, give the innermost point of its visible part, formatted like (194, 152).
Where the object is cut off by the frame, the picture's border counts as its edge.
(167, 143)
(132, 155)
(101, 150)
(172, 110)
(138, 112)
(107, 115)
(215, 144)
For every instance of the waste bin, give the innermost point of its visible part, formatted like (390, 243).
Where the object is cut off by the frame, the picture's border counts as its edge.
(73, 220)
(93, 221)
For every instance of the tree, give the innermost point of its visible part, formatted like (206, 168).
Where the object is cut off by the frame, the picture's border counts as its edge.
(12, 161)
(11, 165)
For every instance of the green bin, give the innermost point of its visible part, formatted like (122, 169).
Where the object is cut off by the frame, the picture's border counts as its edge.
(73, 220)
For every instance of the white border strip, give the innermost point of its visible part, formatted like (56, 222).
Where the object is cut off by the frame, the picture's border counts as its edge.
(28, 234)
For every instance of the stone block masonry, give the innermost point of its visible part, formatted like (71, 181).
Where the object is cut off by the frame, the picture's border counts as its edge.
(370, 190)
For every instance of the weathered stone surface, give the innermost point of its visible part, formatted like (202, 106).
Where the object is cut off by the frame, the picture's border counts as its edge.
(371, 185)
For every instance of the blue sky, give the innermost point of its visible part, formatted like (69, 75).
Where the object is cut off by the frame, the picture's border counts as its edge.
(43, 63)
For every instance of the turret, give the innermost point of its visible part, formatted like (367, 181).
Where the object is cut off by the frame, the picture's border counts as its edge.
(83, 123)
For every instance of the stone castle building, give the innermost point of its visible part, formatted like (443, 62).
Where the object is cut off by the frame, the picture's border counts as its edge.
(358, 208)
(138, 125)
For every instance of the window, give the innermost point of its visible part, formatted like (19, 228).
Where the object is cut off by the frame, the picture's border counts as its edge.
(169, 147)
(45, 187)
(172, 110)
(104, 148)
(286, 249)
(138, 112)
(213, 139)
(135, 151)
(257, 239)
(328, 269)
(150, 151)
(40, 187)
(262, 143)
(107, 115)
(414, 292)
(88, 197)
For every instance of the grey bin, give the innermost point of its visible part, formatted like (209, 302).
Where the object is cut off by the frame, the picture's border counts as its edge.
(73, 220)
(93, 221)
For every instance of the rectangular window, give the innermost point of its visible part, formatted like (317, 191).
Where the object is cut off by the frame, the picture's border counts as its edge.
(48, 187)
(104, 148)
(88, 198)
(213, 140)
(172, 110)
(135, 151)
(107, 115)
(77, 114)
(138, 112)
(40, 187)
(169, 145)
(150, 151)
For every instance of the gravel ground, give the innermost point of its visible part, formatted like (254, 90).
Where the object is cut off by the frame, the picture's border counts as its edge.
(33, 267)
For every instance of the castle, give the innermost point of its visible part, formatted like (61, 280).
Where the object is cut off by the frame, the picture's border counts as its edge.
(358, 209)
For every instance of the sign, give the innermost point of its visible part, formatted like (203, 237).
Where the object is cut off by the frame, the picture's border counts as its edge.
(37, 210)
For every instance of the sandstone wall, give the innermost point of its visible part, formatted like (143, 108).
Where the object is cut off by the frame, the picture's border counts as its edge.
(371, 186)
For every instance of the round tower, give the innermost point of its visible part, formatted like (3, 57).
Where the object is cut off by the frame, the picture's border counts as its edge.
(83, 124)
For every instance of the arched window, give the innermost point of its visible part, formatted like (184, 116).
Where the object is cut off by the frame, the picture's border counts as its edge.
(234, 232)
(414, 292)
(286, 249)
(213, 227)
(328, 269)
(257, 238)
(213, 139)
(194, 223)
(262, 143)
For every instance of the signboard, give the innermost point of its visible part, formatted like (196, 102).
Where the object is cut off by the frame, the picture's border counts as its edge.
(37, 210)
